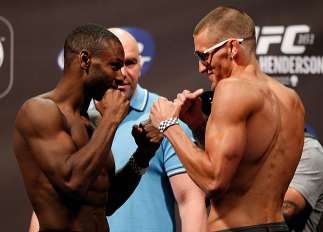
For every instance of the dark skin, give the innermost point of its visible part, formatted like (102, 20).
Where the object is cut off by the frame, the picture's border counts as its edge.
(67, 167)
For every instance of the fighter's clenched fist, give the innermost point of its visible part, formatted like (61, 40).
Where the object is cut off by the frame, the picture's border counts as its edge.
(113, 103)
(190, 107)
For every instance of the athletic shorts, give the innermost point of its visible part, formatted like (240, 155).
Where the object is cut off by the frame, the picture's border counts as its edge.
(270, 227)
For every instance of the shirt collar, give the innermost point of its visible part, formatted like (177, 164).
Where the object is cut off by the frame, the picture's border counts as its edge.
(140, 99)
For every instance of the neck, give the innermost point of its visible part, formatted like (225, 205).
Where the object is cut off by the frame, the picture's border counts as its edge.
(69, 94)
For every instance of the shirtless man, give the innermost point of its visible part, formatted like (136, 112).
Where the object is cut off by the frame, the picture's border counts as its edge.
(255, 128)
(67, 167)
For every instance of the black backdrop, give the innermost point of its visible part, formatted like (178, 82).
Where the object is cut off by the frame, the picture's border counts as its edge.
(33, 32)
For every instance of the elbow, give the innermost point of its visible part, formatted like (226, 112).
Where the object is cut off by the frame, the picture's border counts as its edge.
(75, 191)
(215, 189)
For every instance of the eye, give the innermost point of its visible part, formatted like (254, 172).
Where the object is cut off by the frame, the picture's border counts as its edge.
(116, 66)
(205, 56)
(131, 63)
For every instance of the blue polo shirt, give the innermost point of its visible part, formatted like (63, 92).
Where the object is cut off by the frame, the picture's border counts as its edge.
(151, 206)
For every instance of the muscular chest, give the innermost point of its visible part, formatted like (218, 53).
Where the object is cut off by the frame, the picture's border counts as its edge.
(79, 129)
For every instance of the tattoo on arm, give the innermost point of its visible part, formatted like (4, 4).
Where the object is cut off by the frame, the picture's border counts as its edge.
(200, 133)
(290, 210)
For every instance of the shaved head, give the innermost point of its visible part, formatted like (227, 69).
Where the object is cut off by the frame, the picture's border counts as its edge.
(228, 22)
(126, 38)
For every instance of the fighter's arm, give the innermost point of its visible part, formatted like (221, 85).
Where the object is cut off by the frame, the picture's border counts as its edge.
(213, 169)
(191, 113)
(70, 169)
(191, 203)
(293, 204)
(126, 180)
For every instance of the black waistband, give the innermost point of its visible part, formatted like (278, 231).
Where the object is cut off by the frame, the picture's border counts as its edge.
(270, 227)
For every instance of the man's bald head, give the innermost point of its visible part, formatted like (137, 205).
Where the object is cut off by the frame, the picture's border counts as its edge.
(125, 37)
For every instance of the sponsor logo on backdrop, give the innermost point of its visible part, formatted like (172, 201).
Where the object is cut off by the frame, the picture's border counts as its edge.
(291, 59)
(146, 47)
(6, 56)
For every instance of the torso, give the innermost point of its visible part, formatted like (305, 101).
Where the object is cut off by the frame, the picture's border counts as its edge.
(274, 136)
(54, 208)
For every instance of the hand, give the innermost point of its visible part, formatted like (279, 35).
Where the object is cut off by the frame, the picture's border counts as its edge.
(113, 104)
(162, 110)
(148, 139)
(190, 108)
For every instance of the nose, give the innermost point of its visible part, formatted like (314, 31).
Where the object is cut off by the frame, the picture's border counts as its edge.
(123, 71)
(202, 67)
(120, 78)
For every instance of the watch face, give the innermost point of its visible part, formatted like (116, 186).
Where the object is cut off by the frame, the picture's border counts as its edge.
(206, 98)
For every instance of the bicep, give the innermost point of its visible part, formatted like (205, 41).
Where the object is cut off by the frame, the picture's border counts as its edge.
(293, 203)
(226, 132)
(51, 149)
(46, 136)
(225, 147)
(185, 190)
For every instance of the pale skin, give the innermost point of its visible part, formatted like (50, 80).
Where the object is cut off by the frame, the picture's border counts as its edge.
(68, 169)
(189, 197)
(242, 169)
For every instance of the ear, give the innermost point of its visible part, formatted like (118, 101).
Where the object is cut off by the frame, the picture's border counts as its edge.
(139, 60)
(85, 59)
(234, 48)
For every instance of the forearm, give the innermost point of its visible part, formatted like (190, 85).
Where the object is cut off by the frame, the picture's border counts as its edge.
(123, 186)
(196, 162)
(82, 168)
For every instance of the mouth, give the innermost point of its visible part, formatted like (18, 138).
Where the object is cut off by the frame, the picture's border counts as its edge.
(123, 86)
(210, 75)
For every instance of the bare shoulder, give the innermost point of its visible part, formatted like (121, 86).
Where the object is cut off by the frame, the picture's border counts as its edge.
(39, 114)
(239, 93)
(286, 95)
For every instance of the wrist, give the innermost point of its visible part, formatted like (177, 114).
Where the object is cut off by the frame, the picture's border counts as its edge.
(163, 125)
(137, 168)
(142, 158)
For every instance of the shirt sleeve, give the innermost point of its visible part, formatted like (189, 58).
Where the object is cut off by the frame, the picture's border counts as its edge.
(173, 165)
(308, 178)
(92, 106)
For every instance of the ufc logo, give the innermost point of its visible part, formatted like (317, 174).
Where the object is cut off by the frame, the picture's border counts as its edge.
(143, 59)
(286, 37)
(6, 56)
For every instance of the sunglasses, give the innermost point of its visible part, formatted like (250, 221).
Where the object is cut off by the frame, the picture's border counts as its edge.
(203, 56)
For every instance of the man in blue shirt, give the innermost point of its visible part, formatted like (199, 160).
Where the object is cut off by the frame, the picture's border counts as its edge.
(152, 205)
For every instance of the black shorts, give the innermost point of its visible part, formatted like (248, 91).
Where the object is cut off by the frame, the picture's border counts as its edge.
(270, 227)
